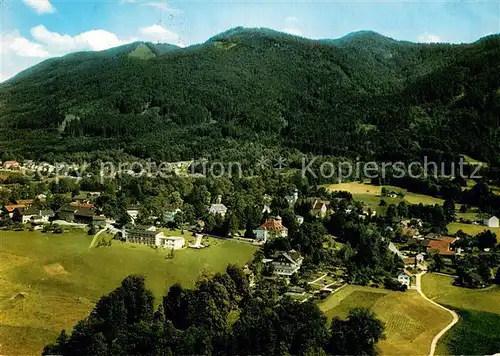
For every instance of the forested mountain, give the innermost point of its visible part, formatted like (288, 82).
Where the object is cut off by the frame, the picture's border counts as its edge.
(245, 90)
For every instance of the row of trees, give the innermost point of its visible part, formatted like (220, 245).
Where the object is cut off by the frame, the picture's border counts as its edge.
(221, 316)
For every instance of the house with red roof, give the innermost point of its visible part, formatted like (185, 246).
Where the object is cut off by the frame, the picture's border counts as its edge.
(271, 228)
(442, 245)
(12, 207)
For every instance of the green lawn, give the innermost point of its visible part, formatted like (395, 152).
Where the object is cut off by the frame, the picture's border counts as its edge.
(478, 330)
(411, 322)
(472, 229)
(371, 195)
(48, 281)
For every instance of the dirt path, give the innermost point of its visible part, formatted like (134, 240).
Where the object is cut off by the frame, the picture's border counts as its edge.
(96, 235)
(447, 327)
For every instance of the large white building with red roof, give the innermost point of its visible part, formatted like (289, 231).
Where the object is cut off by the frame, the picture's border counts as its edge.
(271, 228)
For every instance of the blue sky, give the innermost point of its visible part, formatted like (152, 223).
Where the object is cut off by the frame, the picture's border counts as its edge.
(34, 30)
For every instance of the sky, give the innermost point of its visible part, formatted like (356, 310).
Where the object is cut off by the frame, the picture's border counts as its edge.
(34, 30)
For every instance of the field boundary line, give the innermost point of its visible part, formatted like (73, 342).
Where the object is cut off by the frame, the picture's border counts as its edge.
(447, 327)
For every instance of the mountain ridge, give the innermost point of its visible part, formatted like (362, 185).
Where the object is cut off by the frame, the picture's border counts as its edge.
(261, 87)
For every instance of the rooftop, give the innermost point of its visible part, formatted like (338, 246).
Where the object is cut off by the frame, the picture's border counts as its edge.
(273, 224)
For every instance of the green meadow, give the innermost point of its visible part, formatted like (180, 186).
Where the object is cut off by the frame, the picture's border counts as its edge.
(478, 330)
(410, 321)
(48, 281)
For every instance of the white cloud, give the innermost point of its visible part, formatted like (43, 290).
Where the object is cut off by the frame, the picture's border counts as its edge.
(18, 45)
(158, 33)
(163, 6)
(41, 6)
(18, 52)
(291, 19)
(94, 40)
(293, 31)
(428, 38)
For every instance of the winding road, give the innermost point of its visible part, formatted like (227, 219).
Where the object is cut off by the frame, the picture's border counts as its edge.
(96, 236)
(447, 327)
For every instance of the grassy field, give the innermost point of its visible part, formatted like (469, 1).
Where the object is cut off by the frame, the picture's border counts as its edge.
(478, 330)
(472, 229)
(48, 282)
(371, 194)
(411, 322)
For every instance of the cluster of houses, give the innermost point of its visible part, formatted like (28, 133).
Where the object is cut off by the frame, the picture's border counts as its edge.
(28, 213)
(81, 210)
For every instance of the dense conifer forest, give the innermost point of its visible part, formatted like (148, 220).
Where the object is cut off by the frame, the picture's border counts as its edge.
(248, 90)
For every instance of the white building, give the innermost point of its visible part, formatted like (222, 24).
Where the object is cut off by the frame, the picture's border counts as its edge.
(172, 242)
(36, 216)
(271, 228)
(405, 279)
(492, 222)
(220, 209)
(147, 235)
(287, 263)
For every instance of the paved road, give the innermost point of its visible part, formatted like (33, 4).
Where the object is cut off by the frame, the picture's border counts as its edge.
(447, 327)
(96, 235)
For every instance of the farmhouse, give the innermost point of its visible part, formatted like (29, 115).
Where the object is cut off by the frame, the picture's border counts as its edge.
(271, 228)
(405, 279)
(42, 217)
(492, 222)
(67, 213)
(84, 215)
(37, 216)
(441, 246)
(287, 263)
(80, 214)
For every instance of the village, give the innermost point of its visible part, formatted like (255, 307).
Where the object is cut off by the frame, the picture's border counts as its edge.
(324, 244)
(415, 250)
